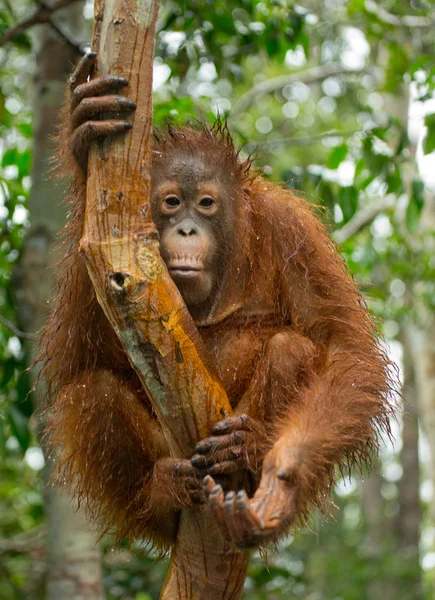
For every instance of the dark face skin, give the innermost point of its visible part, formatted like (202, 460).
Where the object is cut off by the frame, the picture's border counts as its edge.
(193, 213)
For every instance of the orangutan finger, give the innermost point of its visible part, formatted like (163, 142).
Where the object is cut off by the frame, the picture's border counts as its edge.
(224, 481)
(219, 456)
(97, 87)
(92, 130)
(91, 108)
(229, 507)
(248, 513)
(182, 468)
(240, 422)
(208, 462)
(226, 467)
(83, 69)
(216, 503)
(208, 484)
(234, 521)
(250, 526)
(214, 443)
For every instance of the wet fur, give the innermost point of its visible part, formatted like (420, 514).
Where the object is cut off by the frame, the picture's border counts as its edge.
(324, 382)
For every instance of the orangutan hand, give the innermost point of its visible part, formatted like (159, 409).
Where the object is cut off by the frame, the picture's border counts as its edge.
(236, 444)
(176, 483)
(249, 523)
(97, 109)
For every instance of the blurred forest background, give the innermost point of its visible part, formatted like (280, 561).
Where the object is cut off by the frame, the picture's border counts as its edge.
(338, 98)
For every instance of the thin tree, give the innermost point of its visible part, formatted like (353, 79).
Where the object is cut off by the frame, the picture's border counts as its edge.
(73, 557)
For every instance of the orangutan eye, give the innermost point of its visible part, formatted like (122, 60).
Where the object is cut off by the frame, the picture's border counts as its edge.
(206, 202)
(172, 201)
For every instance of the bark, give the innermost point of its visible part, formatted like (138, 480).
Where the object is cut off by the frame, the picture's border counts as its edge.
(422, 345)
(73, 559)
(421, 350)
(120, 245)
(407, 526)
(373, 507)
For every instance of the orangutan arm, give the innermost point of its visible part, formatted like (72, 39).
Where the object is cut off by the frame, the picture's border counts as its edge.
(116, 453)
(333, 416)
(239, 443)
(331, 424)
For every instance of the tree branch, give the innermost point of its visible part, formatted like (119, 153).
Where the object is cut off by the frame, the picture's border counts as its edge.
(20, 334)
(308, 77)
(302, 141)
(42, 14)
(120, 246)
(363, 218)
(397, 20)
(79, 47)
(25, 542)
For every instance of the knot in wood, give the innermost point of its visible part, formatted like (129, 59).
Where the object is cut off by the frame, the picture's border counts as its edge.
(120, 283)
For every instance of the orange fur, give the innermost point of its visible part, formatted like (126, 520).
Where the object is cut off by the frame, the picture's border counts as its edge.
(289, 333)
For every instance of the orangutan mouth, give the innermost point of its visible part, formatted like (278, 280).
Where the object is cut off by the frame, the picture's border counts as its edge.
(185, 270)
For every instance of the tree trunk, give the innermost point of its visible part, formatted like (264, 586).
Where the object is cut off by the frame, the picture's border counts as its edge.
(73, 559)
(121, 249)
(407, 526)
(373, 509)
(421, 348)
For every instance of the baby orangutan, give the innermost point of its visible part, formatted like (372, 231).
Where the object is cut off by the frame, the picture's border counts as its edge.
(286, 330)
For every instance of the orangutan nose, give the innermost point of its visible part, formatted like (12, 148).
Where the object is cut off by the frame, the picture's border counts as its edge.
(187, 228)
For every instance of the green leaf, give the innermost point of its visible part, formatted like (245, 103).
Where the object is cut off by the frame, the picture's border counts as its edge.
(21, 159)
(2, 105)
(296, 21)
(394, 181)
(429, 140)
(376, 163)
(360, 166)
(304, 40)
(326, 194)
(8, 372)
(2, 438)
(25, 129)
(366, 182)
(398, 64)
(4, 22)
(23, 163)
(337, 156)
(272, 47)
(348, 199)
(403, 141)
(22, 40)
(19, 428)
(224, 22)
(23, 388)
(415, 206)
(9, 157)
(418, 191)
(379, 132)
